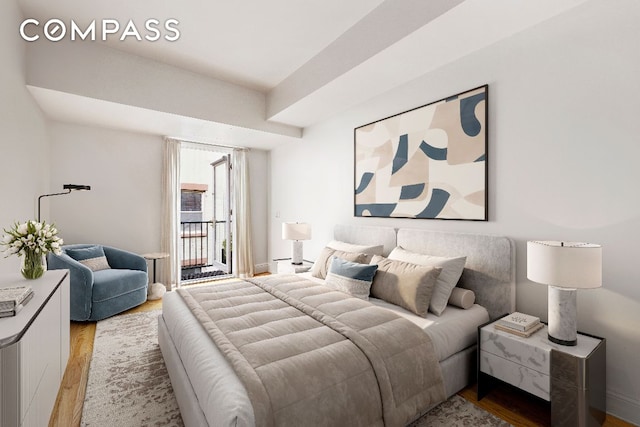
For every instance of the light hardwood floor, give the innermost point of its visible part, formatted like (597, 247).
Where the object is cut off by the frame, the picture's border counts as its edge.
(68, 407)
(508, 403)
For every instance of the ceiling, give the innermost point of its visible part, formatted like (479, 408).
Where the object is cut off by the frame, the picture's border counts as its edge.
(310, 59)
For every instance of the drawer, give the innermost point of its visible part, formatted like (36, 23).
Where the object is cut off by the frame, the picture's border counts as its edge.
(522, 351)
(515, 374)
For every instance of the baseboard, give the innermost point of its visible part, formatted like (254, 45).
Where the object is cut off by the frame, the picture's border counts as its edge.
(623, 407)
(261, 268)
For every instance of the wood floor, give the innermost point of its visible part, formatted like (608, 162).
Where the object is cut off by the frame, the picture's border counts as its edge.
(68, 408)
(508, 403)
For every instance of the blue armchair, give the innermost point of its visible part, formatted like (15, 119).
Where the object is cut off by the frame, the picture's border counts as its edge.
(100, 290)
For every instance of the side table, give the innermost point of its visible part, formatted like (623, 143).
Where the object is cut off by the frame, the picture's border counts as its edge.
(572, 378)
(156, 290)
(285, 266)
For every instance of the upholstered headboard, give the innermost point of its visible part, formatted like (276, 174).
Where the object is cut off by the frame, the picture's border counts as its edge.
(490, 270)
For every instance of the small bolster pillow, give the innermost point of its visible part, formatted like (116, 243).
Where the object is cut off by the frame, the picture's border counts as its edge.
(463, 298)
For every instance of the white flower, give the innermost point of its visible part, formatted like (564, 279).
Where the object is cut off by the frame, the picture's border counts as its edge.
(22, 229)
(30, 236)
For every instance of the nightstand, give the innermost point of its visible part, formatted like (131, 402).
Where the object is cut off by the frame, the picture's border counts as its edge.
(285, 266)
(572, 378)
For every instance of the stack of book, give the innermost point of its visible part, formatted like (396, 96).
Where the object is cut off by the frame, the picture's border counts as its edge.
(13, 299)
(523, 325)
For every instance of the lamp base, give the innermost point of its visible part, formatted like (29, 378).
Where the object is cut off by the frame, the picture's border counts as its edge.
(296, 252)
(562, 342)
(563, 310)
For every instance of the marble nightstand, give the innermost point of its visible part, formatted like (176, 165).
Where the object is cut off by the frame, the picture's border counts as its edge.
(285, 266)
(572, 378)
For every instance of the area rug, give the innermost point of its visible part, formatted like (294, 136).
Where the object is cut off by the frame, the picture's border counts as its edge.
(129, 385)
(458, 412)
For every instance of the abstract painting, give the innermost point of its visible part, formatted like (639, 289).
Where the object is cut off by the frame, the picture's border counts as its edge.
(429, 162)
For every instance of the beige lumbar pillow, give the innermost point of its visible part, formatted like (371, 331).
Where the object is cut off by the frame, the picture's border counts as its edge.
(404, 284)
(96, 264)
(451, 271)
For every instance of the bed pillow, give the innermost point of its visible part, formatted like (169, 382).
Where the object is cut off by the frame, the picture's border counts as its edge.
(93, 257)
(323, 261)
(350, 277)
(451, 271)
(463, 298)
(404, 284)
(368, 250)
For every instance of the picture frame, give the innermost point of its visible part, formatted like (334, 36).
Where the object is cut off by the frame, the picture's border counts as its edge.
(429, 162)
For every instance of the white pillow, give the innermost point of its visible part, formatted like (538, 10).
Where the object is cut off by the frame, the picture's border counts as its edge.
(451, 271)
(350, 247)
(323, 261)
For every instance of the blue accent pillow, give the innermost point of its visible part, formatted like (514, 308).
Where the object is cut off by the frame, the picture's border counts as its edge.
(92, 257)
(350, 277)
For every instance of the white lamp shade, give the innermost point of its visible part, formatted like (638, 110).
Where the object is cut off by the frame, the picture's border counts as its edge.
(296, 231)
(565, 264)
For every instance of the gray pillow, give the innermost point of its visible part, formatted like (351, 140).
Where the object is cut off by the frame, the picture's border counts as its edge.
(323, 262)
(451, 271)
(350, 277)
(404, 284)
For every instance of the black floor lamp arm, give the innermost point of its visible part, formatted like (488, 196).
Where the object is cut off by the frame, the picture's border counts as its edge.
(49, 195)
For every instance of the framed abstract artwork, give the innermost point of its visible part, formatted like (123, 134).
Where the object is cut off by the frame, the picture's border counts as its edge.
(429, 162)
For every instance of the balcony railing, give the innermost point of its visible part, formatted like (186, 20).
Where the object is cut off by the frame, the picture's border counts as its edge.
(203, 249)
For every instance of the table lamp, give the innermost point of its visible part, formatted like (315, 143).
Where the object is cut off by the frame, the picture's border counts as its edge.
(565, 267)
(296, 232)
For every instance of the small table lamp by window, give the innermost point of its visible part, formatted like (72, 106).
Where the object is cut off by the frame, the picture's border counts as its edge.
(564, 267)
(296, 231)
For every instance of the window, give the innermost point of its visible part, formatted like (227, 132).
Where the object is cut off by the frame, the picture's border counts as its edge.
(191, 201)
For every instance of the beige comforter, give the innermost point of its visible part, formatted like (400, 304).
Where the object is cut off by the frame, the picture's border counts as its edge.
(308, 355)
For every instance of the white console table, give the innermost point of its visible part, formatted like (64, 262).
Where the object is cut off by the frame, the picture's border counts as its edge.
(34, 350)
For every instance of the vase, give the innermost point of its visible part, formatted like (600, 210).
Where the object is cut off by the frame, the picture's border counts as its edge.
(33, 265)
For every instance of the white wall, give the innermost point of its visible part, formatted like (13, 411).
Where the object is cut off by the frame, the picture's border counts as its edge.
(124, 171)
(24, 146)
(564, 100)
(123, 208)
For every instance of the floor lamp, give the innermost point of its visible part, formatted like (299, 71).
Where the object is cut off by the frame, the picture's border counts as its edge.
(69, 188)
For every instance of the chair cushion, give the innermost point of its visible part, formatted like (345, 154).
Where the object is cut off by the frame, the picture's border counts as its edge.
(91, 256)
(112, 283)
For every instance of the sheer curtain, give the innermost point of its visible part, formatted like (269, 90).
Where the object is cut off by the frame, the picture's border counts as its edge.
(170, 270)
(242, 248)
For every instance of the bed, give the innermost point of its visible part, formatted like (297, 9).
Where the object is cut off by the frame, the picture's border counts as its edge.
(209, 391)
